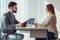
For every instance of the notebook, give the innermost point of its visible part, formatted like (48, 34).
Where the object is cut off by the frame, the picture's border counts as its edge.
(30, 21)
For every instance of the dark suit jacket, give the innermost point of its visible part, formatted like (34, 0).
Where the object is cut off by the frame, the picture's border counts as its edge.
(8, 24)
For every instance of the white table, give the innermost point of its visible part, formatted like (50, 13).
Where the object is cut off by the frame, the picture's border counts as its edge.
(35, 32)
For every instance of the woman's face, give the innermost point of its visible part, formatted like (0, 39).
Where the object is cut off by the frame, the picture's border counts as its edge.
(46, 10)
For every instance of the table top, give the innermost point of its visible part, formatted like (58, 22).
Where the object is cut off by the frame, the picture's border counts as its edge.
(29, 29)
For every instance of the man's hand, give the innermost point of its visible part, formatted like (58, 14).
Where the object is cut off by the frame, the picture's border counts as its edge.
(20, 24)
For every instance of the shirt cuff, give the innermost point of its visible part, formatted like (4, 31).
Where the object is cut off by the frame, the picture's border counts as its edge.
(17, 25)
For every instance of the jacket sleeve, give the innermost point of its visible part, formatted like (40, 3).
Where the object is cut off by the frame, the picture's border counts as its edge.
(16, 22)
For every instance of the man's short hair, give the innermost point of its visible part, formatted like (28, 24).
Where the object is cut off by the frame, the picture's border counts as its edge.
(11, 4)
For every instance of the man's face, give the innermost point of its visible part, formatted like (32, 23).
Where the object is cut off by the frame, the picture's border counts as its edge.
(14, 8)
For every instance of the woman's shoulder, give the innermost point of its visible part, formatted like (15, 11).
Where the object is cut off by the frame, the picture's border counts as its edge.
(52, 15)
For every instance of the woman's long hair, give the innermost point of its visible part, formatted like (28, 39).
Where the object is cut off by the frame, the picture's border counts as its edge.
(50, 8)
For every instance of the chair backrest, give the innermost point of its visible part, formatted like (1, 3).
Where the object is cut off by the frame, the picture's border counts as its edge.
(16, 36)
(0, 35)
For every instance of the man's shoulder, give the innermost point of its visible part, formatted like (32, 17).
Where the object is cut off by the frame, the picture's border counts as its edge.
(6, 14)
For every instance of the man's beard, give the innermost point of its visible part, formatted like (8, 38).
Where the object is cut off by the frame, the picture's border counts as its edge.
(15, 11)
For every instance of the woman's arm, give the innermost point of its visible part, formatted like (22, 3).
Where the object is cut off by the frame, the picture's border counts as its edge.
(46, 22)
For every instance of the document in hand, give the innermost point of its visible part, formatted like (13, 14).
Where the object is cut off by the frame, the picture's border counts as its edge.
(30, 21)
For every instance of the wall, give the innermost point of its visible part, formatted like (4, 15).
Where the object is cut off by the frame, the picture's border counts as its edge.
(28, 9)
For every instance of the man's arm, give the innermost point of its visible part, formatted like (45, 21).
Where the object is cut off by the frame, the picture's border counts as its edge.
(15, 21)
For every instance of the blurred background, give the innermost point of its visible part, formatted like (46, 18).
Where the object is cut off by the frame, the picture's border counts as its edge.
(31, 9)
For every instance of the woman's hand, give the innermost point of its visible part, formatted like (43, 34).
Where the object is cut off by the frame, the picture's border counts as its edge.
(36, 24)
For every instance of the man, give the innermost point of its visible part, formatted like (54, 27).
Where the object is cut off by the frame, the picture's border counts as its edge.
(9, 22)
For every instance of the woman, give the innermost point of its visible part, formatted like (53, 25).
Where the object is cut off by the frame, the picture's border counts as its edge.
(50, 23)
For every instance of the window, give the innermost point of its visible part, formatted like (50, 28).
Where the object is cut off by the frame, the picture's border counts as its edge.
(1, 10)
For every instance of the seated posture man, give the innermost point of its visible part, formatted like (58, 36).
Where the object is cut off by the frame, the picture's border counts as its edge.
(9, 22)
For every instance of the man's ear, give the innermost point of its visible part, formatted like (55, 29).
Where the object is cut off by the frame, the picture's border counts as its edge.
(11, 7)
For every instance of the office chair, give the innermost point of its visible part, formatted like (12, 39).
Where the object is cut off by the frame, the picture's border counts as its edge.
(16, 35)
(55, 38)
(0, 34)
